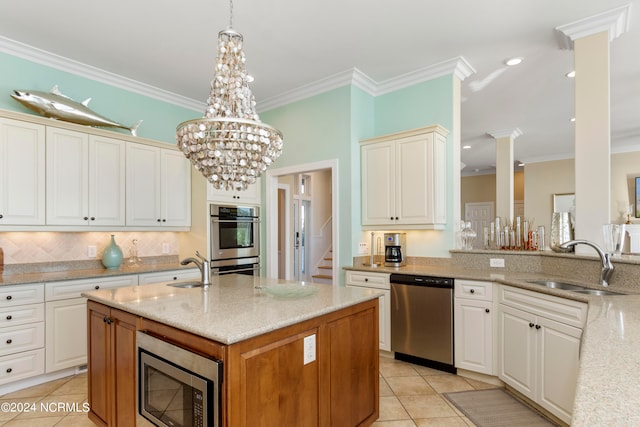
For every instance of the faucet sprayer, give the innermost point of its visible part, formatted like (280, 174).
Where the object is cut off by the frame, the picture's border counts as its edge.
(605, 258)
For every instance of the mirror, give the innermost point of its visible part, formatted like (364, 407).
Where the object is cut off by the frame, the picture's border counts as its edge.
(564, 203)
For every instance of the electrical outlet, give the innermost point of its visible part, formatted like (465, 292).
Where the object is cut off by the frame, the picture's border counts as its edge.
(309, 349)
(363, 248)
(496, 262)
(91, 251)
(165, 248)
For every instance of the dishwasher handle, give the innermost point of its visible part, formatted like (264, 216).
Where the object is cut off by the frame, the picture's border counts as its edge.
(426, 281)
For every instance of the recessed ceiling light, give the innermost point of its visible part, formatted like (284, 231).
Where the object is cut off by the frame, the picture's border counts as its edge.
(520, 164)
(513, 61)
(573, 119)
(466, 147)
(571, 74)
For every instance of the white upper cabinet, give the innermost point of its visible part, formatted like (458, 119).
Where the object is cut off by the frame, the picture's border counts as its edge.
(250, 196)
(404, 180)
(22, 173)
(158, 187)
(85, 179)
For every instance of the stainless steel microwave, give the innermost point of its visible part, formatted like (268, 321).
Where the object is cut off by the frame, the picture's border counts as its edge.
(176, 387)
(235, 232)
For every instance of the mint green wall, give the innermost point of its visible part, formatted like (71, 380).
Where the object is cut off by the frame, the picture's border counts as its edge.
(159, 118)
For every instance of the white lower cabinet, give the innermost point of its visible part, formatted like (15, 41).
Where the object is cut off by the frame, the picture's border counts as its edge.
(539, 347)
(378, 282)
(473, 326)
(169, 276)
(66, 319)
(21, 332)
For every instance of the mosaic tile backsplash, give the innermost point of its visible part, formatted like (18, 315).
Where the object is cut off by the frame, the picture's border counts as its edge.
(29, 247)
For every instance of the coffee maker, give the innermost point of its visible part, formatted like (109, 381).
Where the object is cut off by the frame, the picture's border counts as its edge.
(395, 249)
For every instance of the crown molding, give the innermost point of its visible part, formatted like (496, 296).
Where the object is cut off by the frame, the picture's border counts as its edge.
(512, 133)
(614, 21)
(61, 63)
(459, 67)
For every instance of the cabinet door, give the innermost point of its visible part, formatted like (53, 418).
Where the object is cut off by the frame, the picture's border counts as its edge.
(99, 374)
(67, 177)
(175, 189)
(106, 181)
(414, 186)
(473, 335)
(250, 196)
(378, 183)
(66, 337)
(143, 185)
(384, 318)
(22, 173)
(558, 364)
(123, 366)
(517, 350)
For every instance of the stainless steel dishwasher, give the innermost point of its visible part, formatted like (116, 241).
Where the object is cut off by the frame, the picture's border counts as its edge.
(422, 320)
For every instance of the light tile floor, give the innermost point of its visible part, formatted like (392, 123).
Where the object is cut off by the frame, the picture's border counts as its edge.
(410, 396)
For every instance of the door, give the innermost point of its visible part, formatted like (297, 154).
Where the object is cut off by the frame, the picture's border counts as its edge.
(143, 185)
(66, 335)
(480, 215)
(106, 181)
(474, 335)
(175, 189)
(517, 352)
(301, 210)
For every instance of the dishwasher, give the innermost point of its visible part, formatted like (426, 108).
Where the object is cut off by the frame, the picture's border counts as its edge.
(422, 320)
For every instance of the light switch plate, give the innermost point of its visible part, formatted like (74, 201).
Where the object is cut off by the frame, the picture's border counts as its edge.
(363, 248)
(309, 349)
(91, 251)
(165, 248)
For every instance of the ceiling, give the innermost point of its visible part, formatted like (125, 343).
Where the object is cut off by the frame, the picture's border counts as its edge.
(289, 44)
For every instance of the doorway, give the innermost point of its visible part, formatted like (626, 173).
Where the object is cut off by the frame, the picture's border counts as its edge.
(297, 232)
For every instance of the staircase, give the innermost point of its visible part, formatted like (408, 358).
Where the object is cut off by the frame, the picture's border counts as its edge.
(324, 271)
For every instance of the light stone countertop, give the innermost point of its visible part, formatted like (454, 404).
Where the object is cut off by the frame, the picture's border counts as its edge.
(233, 308)
(608, 388)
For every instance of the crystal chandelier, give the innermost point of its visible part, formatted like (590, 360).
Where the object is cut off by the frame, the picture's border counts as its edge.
(230, 146)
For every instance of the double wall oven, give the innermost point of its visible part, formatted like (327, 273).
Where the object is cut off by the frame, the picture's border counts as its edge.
(235, 239)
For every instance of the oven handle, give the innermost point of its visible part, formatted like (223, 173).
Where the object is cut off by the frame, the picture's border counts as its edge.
(220, 273)
(236, 220)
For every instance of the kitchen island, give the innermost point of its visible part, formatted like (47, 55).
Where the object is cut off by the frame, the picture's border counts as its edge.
(258, 332)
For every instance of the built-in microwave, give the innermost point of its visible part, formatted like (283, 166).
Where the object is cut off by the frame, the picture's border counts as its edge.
(235, 232)
(176, 387)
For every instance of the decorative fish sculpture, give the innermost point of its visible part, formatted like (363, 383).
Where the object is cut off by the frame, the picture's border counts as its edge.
(58, 106)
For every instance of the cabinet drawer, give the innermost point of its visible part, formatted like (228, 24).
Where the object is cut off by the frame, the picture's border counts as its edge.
(21, 314)
(168, 276)
(563, 310)
(473, 289)
(369, 280)
(73, 288)
(14, 339)
(21, 365)
(21, 294)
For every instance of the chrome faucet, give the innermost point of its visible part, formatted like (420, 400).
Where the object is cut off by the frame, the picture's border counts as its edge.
(203, 265)
(605, 258)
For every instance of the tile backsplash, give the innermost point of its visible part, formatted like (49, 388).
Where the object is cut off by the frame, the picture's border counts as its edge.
(29, 247)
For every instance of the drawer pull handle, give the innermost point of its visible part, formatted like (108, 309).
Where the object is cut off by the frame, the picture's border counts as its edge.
(96, 287)
(9, 317)
(537, 326)
(106, 320)
(9, 341)
(366, 279)
(472, 291)
(9, 370)
(531, 325)
(9, 297)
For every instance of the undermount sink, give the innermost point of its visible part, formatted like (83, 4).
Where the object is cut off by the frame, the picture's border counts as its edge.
(558, 285)
(186, 285)
(597, 292)
(573, 288)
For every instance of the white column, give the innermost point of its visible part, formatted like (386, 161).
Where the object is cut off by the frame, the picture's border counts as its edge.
(590, 40)
(504, 170)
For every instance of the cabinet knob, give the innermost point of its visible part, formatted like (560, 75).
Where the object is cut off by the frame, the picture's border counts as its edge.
(93, 218)
(397, 218)
(1, 216)
(472, 291)
(159, 220)
(96, 287)
(9, 370)
(9, 297)
(366, 279)
(486, 310)
(537, 326)
(175, 278)
(531, 325)
(9, 341)
(107, 320)
(9, 317)
(85, 218)
(164, 220)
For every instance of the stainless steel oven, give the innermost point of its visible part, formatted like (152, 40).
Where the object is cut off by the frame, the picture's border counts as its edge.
(249, 266)
(235, 232)
(176, 387)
